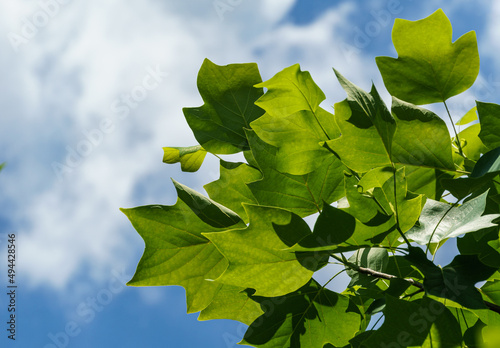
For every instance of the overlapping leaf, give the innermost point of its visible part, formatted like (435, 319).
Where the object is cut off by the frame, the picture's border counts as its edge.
(429, 68)
(231, 188)
(455, 281)
(489, 116)
(300, 194)
(439, 329)
(229, 95)
(440, 221)
(294, 122)
(256, 254)
(312, 316)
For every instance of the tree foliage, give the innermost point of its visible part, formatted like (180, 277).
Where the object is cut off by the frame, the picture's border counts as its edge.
(387, 186)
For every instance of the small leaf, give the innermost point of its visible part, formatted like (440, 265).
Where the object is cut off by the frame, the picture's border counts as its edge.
(469, 117)
(312, 316)
(440, 221)
(472, 145)
(375, 259)
(429, 68)
(229, 95)
(256, 254)
(191, 158)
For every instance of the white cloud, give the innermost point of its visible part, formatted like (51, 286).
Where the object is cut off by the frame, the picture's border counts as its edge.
(64, 81)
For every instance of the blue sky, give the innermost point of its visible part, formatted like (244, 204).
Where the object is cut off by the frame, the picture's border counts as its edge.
(66, 67)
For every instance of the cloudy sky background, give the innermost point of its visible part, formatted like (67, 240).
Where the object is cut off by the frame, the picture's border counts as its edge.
(66, 67)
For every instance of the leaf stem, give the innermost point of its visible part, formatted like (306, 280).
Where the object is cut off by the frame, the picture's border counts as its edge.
(457, 138)
(396, 207)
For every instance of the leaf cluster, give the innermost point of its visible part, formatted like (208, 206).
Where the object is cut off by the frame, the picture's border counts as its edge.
(387, 187)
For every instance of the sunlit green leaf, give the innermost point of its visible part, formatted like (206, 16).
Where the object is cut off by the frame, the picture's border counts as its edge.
(440, 221)
(256, 254)
(191, 158)
(429, 68)
(469, 117)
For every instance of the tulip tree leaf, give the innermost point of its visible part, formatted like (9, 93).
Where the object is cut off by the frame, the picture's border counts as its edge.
(256, 254)
(440, 221)
(300, 194)
(294, 122)
(429, 68)
(469, 117)
(206, 209)
(312, 316)
(232, 302)
(229, 95)
(231, 188)
(176, 252)
(191, 158)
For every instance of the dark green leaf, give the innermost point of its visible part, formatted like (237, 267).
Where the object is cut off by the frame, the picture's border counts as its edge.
(312, 316)
(229, 95)
(489, 117)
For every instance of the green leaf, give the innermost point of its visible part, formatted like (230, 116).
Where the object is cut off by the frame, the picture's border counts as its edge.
(421, 323)
(176, 252)
(229, 95)
(489, 117)
(256, 254)
(491, 291)
(234, 303)
(472, 145)
(312, 316)
(207, 210)
(294, 122)
(1, 166)
(231, 188)
(455, 281)
(393, 195)
(300, 194)
(482, 247)
(421, 138)
(469, 117)
(191, 158)
(375, 259)
(429, 68)
(440, 221)
(485, 170)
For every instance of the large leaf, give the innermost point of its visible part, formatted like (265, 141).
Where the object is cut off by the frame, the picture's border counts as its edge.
(429, 68)
(229, 95)
(421, 323)
(231, 188)
(489, 117)
(191, 158)
(176, 252)
(294, 122)
(256, 254)
(312, 316)
(440, 221)
(300, 194)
